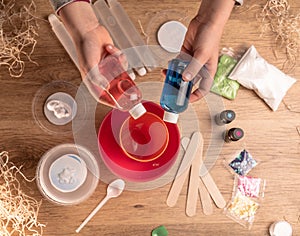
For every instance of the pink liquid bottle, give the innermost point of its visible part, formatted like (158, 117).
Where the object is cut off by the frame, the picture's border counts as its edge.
(111, 85)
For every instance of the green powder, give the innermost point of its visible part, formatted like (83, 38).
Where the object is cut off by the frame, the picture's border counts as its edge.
(222, 85)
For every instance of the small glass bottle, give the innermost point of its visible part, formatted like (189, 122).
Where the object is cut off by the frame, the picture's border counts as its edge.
(233, 134)
(176, 92)
(225, 117)
(111, 85)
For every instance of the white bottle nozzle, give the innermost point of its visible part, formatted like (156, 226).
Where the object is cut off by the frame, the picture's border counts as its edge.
(137, 111)
(170, 117)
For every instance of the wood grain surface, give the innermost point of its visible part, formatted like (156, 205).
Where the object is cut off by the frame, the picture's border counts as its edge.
(271, 137)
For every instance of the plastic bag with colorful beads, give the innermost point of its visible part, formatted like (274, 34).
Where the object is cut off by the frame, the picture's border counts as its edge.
(242, 163)
(249, 186)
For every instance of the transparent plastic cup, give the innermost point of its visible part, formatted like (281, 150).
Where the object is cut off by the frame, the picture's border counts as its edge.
(145, 138)
(67, 174)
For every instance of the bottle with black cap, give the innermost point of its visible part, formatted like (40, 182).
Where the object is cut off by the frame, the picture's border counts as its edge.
(225, 117)
(233, 134)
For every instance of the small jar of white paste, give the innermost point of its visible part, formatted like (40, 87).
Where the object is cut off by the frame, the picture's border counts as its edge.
(280, 228)
(67, 173)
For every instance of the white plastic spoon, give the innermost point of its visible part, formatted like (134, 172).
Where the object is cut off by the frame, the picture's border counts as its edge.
(114, 189)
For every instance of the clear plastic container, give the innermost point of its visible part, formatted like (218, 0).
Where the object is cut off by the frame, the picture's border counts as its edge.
(111, 85)
(144, 139)
(67, 174)
(176, 92)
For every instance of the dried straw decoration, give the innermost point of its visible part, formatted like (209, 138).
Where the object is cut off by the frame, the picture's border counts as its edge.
(277, 18)
(18, 30)
(18, 211)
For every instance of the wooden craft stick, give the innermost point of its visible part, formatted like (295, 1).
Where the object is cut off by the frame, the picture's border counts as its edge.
(205, 198)
(176, 188)
(192, 196)
(213, 190)
(204, 195)
(183, 169)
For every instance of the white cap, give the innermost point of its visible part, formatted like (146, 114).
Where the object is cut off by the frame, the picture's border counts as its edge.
(137, 111)
(141, 71)
(170, 117)
(281, 228)
(68, 173)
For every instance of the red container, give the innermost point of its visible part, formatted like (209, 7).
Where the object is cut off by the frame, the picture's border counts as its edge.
(119, 163)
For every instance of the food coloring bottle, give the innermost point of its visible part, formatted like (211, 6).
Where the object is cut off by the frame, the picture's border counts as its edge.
(120, 92)
(233, 134)
(225, 117)
(176, 92)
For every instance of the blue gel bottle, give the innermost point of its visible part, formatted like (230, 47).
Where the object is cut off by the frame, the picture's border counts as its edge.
(176, 92)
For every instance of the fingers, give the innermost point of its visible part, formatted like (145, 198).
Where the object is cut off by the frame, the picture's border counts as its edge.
(205, 83)
(95, 77)
(195, 70)
(192, 69)
(164, 72)
(201, 68)
(112, 50)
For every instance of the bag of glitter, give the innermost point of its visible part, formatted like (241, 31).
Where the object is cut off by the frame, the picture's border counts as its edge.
(242, 163)
(249, 186)
(242, 209)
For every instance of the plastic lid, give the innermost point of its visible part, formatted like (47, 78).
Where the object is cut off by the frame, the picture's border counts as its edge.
(238, 133)
(228, 115)
(170, 117)
(171, 36)
(68, 173)
(137, 111)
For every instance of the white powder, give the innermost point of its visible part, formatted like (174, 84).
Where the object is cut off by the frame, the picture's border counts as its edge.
(254, 72)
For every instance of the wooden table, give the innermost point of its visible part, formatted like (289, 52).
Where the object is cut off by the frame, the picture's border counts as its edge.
(271, 137)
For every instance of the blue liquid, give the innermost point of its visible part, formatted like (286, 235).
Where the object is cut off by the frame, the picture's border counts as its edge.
(176, 92)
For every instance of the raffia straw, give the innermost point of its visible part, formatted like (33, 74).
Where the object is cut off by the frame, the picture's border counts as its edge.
(18, 211)
(277, 18)
(18, 32)
(298, 129)
(143, 32)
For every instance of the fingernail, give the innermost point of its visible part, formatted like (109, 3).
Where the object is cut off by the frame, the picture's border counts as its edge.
(109, 46)
(187, 76)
